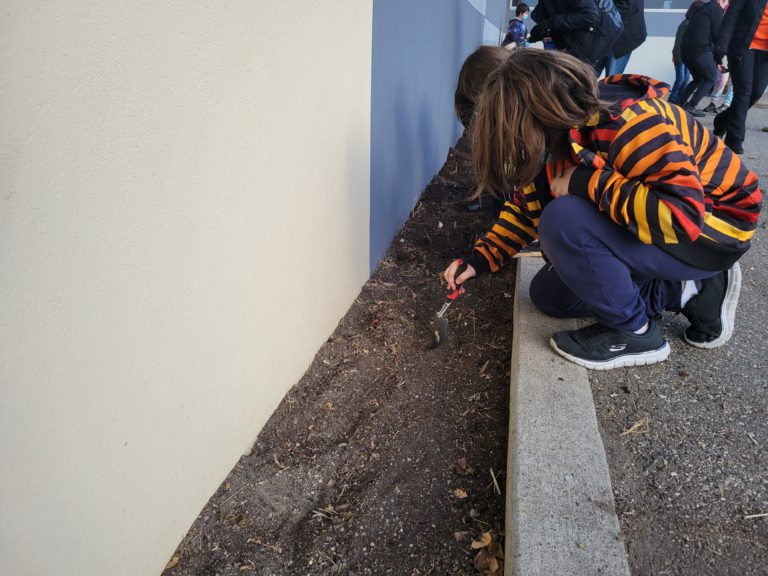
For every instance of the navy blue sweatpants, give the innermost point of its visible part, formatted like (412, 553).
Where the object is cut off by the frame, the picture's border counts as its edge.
(597, 268)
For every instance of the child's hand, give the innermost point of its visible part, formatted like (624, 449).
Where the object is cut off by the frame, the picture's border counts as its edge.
(450, 274)
(559, 184)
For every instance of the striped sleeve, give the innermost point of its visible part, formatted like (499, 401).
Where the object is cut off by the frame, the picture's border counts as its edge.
(650, 184)
(516, 227)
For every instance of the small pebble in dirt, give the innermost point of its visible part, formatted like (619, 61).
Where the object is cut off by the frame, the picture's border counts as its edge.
(474, 514)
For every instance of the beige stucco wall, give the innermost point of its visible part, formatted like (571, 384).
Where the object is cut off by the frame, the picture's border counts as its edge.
(184, 192)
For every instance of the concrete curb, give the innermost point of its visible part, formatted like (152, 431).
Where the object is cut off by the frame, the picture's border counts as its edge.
(560, 517)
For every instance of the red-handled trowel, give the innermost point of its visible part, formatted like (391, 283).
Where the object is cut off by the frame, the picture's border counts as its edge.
(440, 321)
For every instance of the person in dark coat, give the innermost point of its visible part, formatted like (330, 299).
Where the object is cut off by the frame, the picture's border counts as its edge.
(633, 16)
(744, 38)
(682, 74)
(698, 53)
(585, 29)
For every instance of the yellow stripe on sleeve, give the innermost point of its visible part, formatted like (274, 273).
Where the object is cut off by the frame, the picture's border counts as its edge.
(683, 127)
(729, 230)
(643, 230)
(665, 220)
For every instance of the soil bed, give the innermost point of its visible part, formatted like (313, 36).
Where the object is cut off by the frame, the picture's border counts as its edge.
(386, 456)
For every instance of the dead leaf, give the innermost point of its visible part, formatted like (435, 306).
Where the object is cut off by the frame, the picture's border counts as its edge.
(461, 535)
(486, 563)
(484, 542)
(463, 468)
(460, 494)
(247, 567)
(172, 562)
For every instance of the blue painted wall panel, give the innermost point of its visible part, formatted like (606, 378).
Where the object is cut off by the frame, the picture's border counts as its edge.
(497, 12)
(663, 24)
(418, 48)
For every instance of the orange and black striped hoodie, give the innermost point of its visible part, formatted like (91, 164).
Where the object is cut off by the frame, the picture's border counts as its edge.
(652, 169)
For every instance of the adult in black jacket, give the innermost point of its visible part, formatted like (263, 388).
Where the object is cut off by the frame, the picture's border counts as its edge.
(698, 53)
(634, 34)
(748, 66)
(578, 27)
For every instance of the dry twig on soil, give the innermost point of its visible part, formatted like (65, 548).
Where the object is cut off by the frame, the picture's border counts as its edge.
(495, 483)
(642, 426)
(751, 516)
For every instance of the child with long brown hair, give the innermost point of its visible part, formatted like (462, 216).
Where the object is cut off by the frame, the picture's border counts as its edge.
(474, 71)
(637, 207)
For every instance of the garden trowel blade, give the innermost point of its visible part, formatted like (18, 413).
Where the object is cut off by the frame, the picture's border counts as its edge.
(441, 330)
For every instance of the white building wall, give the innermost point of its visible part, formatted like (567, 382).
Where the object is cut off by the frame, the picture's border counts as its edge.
(654, 58)
(184, 192)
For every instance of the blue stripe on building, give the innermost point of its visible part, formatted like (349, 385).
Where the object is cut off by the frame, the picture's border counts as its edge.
(663, 24)
(418, 48)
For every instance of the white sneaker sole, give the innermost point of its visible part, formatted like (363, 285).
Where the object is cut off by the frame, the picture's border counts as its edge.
(639, 359)
(727, 312)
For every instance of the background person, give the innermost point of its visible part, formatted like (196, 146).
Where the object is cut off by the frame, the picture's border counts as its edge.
(723, 89)
(682, 74)
(634, 34)
(744, 38)
(475, 69)
(698, 53)
(584, 28)
(517, 33)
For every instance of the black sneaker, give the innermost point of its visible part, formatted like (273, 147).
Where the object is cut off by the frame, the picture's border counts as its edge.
(601, 348)
(710, 108)
(713, 310)
(693, 111)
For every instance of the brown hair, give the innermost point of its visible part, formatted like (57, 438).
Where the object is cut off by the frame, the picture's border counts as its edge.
(473, 73)
(526, 108)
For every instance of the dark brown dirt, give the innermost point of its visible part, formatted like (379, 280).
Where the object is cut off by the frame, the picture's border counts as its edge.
(359, 470)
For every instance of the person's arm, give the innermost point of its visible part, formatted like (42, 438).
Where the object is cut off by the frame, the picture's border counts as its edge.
(516, 228)
(650, 184)
(678, 41)
(581, 15)
(726, 29)
(715, 23)
(513, 231)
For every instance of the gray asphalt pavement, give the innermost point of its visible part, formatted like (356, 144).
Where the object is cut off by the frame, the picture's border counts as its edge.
(691, 487)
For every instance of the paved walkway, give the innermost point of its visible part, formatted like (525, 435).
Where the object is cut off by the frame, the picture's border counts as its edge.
(708, 413)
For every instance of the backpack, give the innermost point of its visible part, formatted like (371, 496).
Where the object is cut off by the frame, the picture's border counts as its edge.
(610, 26)
(591, 44)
